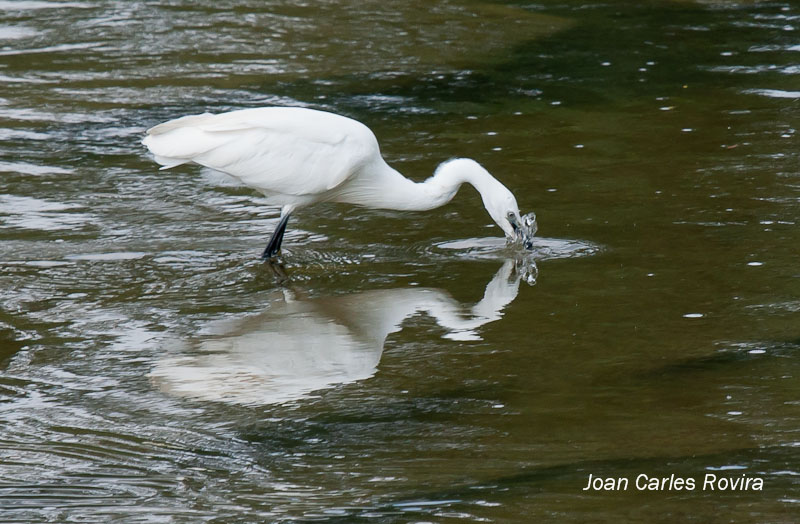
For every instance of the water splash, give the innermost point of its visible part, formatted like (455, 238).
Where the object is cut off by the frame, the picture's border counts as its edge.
(525, 230)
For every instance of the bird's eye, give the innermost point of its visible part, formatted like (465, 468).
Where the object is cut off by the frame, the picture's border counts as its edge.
(512, 219)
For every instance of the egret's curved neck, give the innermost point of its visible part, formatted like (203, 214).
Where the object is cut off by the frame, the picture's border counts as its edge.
(451, 174)
(388, 189)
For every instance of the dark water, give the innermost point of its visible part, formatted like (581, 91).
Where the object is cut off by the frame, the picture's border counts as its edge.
(153, 370)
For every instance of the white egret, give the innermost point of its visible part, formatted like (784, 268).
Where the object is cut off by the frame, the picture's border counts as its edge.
(297, 157)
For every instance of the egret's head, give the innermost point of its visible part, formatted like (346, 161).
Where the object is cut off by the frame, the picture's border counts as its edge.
(503, 208)
(498, 200)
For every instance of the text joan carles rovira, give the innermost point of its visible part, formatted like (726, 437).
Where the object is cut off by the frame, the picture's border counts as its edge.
(645, 482)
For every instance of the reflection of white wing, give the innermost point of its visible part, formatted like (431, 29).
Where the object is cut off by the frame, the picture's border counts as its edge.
(299, 346)
(282, 150)
(280, 359)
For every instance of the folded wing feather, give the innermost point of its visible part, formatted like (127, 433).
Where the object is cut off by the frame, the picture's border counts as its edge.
(275, 150)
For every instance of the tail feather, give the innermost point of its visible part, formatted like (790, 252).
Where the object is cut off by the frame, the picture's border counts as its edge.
(184, 121)
(181, 140)
(167, 162)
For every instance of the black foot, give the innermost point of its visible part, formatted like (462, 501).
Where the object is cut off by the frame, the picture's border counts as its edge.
(274, 244)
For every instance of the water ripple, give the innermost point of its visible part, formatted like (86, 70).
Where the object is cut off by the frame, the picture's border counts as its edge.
(123, 399)
(497, 247)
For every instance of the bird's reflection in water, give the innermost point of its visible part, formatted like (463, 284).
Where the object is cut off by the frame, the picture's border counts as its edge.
(300, 346)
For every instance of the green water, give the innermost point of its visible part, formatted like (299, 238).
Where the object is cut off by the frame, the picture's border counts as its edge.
(152, 369)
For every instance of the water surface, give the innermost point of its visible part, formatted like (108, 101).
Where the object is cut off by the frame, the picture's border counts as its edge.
(403, 368)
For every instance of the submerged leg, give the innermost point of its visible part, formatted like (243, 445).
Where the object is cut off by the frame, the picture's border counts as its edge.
(274, 244)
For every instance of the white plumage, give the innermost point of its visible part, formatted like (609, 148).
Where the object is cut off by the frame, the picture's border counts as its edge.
(297, 157)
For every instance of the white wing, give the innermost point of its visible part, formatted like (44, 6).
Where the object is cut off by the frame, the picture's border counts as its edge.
(290, 151)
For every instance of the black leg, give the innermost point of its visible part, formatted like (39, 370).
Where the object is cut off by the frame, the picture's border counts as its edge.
(274, 244)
